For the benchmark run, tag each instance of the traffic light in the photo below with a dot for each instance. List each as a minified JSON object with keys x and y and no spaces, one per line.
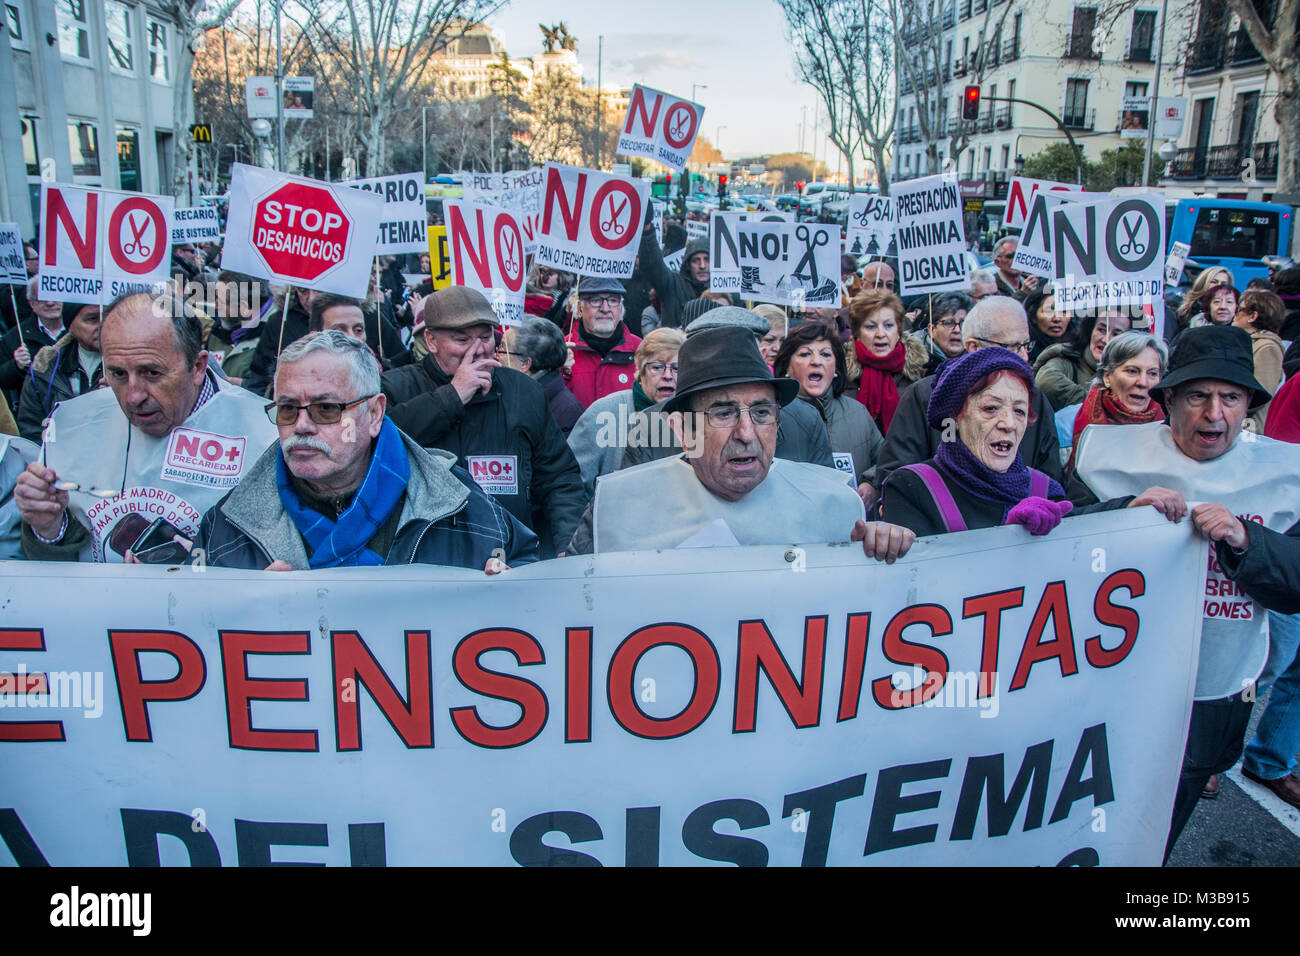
{"x":970,"y":103}
{"x":668,"y":179}
{"x":722,"y":188}
{"x":799,"y":186}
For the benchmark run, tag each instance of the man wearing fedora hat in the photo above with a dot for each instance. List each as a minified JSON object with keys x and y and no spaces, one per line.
{"x":1247,"y":481}
{"x":495,"y":420}
{"x":604,"y":351}
{"x":727,"y":488}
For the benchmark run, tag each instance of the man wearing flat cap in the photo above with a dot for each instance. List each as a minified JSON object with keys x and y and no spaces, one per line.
{"x":727,"y":489}
{"x":1248,"y":483}
{"x":604,"y":351}
{"x":495,"y":420}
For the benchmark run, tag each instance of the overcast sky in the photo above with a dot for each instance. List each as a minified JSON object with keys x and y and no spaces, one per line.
{"x":744,"y":66}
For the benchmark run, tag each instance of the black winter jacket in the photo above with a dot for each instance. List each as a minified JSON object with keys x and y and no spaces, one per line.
{"x":34,"y":334}
{"x":445,"y":520}
{"x":512,"y":419}
{"x":55,"y":376}
{"x":1269,"y":570}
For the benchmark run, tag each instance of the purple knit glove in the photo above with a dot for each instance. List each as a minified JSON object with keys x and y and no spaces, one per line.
{"x":1039,"y":515}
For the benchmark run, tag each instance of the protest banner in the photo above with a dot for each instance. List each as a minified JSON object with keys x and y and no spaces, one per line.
{"x":931,"y":236}
{"x":97,"y":244}
{"x":724,"y":254}
{"x":1020,"y":196}
{"x":13,"y":263}
{"x":788,"y":263}
{"x":1177,"y":260}
{"x":836,"y":710}
{"x":487,"y":253}
{"x":1034,"y":251}
{"x":591,"y":221}
{"x":1109,"y":252}
{"x":405,"y":221}
{"x":195,"y":224}
{"x":1135,"y":117}
{"x":660,"y":126}
{"x":673,"y":260}
{"x":657,"y":210}
{"x":519,"y":190}
{"x":439,"y":257}
{"x":871,"y":225}
{"x":697,"y":229}
{"x":311,"y":234}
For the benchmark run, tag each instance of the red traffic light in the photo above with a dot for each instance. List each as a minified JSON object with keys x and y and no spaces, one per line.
{"x":970,"y":103}
{"x":722,"y":180}
{"x":799,"y":185}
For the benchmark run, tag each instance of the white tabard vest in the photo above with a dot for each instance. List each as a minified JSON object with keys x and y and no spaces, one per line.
{"x":663,"y":505}
{"x":1257,"y":478}
{"x":177,"y":477}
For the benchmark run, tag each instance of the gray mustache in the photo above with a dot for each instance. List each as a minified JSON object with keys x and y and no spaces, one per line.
{"x":305,"y":441}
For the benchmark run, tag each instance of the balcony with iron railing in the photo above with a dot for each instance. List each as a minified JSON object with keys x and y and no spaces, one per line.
{"x":959,"y":67}
{"x":949,"y":18}
{"x":979,"y":6}
{"x":1078,"y":46}
{"x":1002,"y":119}
{"x":1205,"y":52}
{"x":1011,"y":49}
{"x":1241,"y":50}
{"x":908,"y":134}
{"x":986,"y":122}
{"x":1084,"y":119}
{"x":1141,"y":54}
{"x":1224,"y":162}
{"x":965,"y":9}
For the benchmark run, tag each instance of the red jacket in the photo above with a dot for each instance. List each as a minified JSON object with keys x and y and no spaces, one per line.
{"x":1283,"y":421}
{"x":594,"y":377}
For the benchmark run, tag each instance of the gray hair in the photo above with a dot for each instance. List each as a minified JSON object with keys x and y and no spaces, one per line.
{"x":363,"y":369}
{"x":984,"y":277}
{"x":982,"y":320}
{"x":1129,"y":345}
{"x":185,"y":321}
{"x":997,"y":246}
{"x":542,"y":341}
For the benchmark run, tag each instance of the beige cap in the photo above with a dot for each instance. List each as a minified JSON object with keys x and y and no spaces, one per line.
{"x":457,"y":307}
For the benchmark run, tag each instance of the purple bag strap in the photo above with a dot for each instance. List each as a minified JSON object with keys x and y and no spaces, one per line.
{"x":1038,"y":483}
{"x":943,"y":499}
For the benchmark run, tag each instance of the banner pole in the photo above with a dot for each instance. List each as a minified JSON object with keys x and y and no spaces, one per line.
{"x":18,"y":322}
{"x":379,"y":313}
{"x":284,"y":313}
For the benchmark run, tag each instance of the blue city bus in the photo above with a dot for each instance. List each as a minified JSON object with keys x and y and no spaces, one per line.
{"x":1231,"y":233}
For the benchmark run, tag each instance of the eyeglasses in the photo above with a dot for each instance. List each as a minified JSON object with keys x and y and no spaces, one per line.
{"x":658,"y":367}
{"x":599,"y":300}
{"x":322,"y":413}
{"x":505,"y":351}
{"x":949,"y":324}
{"x":96,"y":492}
{"x":727,"y":416}
{"x":1009,"y":346}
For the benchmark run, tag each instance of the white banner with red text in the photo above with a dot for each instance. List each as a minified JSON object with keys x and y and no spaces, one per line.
{"x":991,"y":699}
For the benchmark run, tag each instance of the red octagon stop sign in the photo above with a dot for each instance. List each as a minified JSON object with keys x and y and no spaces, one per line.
{"x":300,"y":231}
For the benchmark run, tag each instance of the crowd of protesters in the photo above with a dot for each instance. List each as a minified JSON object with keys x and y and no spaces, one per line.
{"x":409,"y":426}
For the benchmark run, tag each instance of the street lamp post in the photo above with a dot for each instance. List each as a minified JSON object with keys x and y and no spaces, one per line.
{"x":424,"y":143}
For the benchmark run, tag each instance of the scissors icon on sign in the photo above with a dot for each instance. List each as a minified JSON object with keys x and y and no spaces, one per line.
{"x":1131,"y":246}
{"x":136,"y":246}
{"x":807,"y":268}
{"x":612,"y":226}
{"x":813,"y":240}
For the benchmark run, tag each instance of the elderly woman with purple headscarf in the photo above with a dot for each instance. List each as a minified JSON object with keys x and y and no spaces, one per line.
{"x":982,"y":403}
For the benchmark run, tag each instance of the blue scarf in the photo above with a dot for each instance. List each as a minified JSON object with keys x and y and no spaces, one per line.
{"x":342,"y":543}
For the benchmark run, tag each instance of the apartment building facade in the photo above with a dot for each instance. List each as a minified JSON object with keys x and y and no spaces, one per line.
{"x":1060,"y":54}
{"x":1229,"y":142}
{"x":90,"y":95}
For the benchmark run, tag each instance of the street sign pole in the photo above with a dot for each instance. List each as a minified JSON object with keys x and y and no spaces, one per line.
{"x":1153,"y":111}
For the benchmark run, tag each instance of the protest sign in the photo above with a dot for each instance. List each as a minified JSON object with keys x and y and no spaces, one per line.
{"x":405,"y":219}
{"x":660,"y":126}
{"x":697,"y":229}
{"x":487,"y":253}
{"x":1034,"y":251}
{"x":789,"y":263}
{"x":13,"y":263}
{"x":657,"y":209}
{"x":311,"y":234}
{"x":673,"y":260}
{"x":591,"y":221}
{"x":1178,"y":253}
{"x":724,"y":254}
{"x":931,"y":236}
{"x":1020,"y":196}
{"x":871,"y":225}
{"x":1109,"y":252}
{"x":1135,"y":117}
{"x":439,"y":257}
{"x":97,"y":244}
{"x":519,"y":190}
{"x":847,"y":712}
{"x":195,"y":224}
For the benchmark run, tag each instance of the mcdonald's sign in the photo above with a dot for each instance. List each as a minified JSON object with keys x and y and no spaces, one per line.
{"x":201,"y":132}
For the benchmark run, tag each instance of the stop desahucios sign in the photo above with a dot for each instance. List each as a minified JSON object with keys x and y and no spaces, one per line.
{"x":300,"y":231}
